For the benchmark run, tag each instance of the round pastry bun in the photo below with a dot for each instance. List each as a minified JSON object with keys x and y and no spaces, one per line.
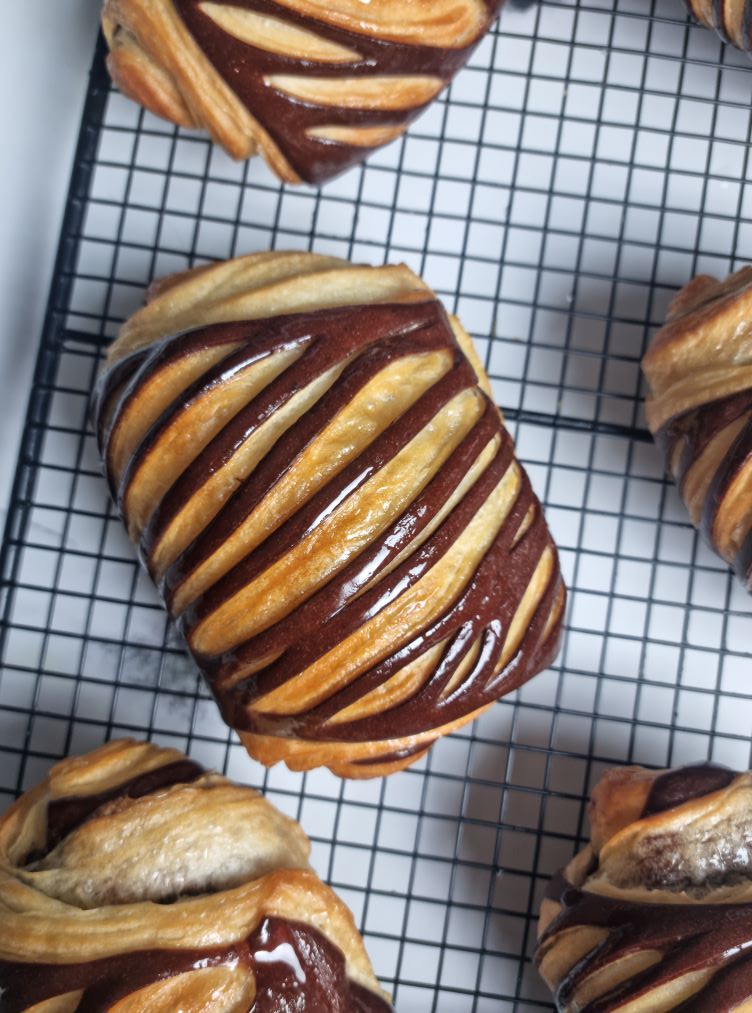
{"x":699,"y":408}
{"x":314,"y":86}
{"x":307,"y":455}
{"x":132,"y":879}
{"x":656,"y":913}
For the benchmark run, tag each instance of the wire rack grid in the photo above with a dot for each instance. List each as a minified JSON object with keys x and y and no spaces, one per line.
{"x":591,"y":158}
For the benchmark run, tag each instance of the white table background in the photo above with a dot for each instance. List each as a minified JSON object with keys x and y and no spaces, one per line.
{"x":45,"y":53}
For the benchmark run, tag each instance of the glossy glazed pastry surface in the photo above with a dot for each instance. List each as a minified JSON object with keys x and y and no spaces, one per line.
{"x":307,"y":455}
{"x":314,"y":85}
{"x":656,"y":914}
{"x":699,"y":408}
{"x":132,"y":880}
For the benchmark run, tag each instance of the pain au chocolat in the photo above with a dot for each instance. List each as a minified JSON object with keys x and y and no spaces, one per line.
{"x":656,"y":914}
{"x":699,"y":408}
{"x":732,"y":19}
{"x":314,"y":85}
{"x":133,"y":880}
{"x":307,"y":455}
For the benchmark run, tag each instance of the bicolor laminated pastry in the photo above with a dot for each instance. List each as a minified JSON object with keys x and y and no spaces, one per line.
{"x":307,"y":456}
{"x":656,"y":913}
{"x":732,"y":19}
{"x":313,"y":85}
{"x":699,"y":408}
{"x":133,"y":880}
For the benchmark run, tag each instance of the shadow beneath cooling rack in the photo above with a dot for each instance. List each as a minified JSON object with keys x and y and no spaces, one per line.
{"x":523,"y":817}
{"x":588,"y":336}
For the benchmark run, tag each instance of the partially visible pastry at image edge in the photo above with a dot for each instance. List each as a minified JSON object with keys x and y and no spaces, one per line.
{"x":131,"y":879}
{"x":307,"y":456}
{"x":699,"y":408}
{"x":656,"y":913}
{"x":730,"y":18}
{"x":313,"y":85}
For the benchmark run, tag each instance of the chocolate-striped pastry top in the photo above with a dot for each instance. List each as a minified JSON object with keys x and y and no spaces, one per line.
{"x":656,"y":914}
{"x":331,"y":507}
{"x":132,"y":880}
{"x":699,"y":408}
{"x":732,"y":19}
{"x":315,"y":85}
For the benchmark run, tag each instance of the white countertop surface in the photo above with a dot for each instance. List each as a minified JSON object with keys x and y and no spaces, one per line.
{"x":45,"y":54}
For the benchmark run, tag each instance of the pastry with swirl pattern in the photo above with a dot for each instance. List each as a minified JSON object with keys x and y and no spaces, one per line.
{"x":656,"y":914}
{"x":131,"y":880}
{"x":307,"y":456}
{"x":699,"y":409}
{"x":314,"y":85}
{"x":732,"y":19}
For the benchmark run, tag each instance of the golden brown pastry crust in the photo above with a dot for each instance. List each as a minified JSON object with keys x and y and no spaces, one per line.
{"x":307,"y":455}
{"x":656,"y":914}
{"x":730,"y":18}
{"x":312,"y":85}
{"x":699,"y":408}
{"x":132,"y":880}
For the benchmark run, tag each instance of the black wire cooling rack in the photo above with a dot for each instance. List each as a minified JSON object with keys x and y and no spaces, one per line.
{"x":590,"y":160}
